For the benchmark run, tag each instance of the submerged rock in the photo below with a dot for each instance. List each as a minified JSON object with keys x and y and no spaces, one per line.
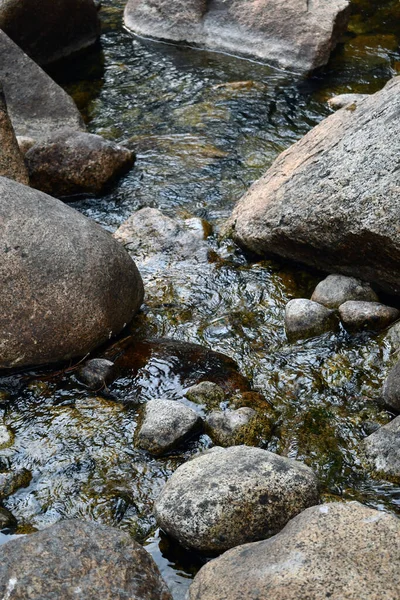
{"x":37,"y":106}
{"x":48,"y":30}
{"x":391,"y":388}
{"x":349,"y":160}
{"x":7,"y":520}
{"x":207,"y":393}
{"x":11,"y":161}
{"x":66,"y":285}
{"x":241,"y":426}
{"x":294,"y":36}
{"x":165,"y":424}
{"x":74,"y":162}
{"x":96,"y":373}
{"x":228,"y":497}
{"x":338,"y":551}
{"x":382,"y":451}
{"x":367,"y":315}
{"x":334,"y":290}
{"x":11,"y":481}
{"x":78,"y":560}
{"x":305,"y":318}
{"x":343,"y":100}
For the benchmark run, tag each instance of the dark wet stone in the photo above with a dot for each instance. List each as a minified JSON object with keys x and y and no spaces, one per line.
{"x":334,"y":290}
{"x":391,"y":388}
{"x":367,"y":315}
{"x":382,"y":451}
{"x":11,"y":481}
{"x":8,"y":523}
{"x":305,"y":318}
{"x":96,"y":373}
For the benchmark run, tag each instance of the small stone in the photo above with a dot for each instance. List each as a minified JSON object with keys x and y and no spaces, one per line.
{"x":337,"y":289}
{"x":96,"y":373}
{"x":342,"y":100}
{"x":305,"y":318}
{"x":10,"y":482}
{"x":382,"y":451}
{"x":166,"y":423}
{"x":206,"y":393}
{"x":7,"y":520}
{"x":367,"y":315}
{"x":235,"y":427}
{"x":391,"y":388}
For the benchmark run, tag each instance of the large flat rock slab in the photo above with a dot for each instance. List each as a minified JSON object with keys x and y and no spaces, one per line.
{"x":294,"y":35}
{"x":332,"y":199}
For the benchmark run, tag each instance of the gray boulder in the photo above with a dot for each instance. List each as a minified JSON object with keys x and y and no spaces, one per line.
{"x":12,"y":164}
{"x":391,"y":388}
{"x":74,"y":560}
{"x":66,"y":285}
{"x":343,"y":100}
{"x":382,"y":451}
{"x":367,"y":315}
{"x":305,"y":318}
{"x":291,"y":34}
{"x":75,"y":162}
{"x":331,"y":199}
{"x":337,"y":551}
{"x":48,"y":30}
{"x":231,"y":496}
{"x":334,"y":290}
{"x":37,"y":106}
{"x":165,"y":424}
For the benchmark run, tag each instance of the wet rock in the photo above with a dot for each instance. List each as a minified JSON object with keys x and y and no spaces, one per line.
{"x":11,"y":161}
{"x":338,"y":551}
{"x":207,"y":393}
{"x":393,"y":336}
{"x":66,"y":285}
{"x":11,"y":481}
{"x":7,"y":520}
{"x":37,"y":106}
{"x":343,"y":100}
{"x":291,"y":35}
{"x":48,"y":30}
{"x":350,"y":159}
{"x":391,"y":388}
{"x":96,"y":373}
{"x":337,"y":289}
{"x":166,"y":423}
{"x":77,"y":560}
{"x":231,"y":496}
{"x":367,"y":315}
{"x":305,"y":318}
{"x":235,"y":427}
{"x":74,"y":162}
{"x":382,"y":451}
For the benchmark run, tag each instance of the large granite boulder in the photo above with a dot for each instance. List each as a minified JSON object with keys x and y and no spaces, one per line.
{"x":331,"y":199}
{"x":37,"y":106}
{"x":226,"y":497}
{"x":66,"y":285}
{"x":49,"y":30}
{"x":12,"y":164}
{"x":337,"y":551}
{"x":295,"y":35}
{"x":74,"y":560}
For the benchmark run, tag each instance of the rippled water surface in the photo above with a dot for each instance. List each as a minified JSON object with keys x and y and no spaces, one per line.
{"x":204,"y":127}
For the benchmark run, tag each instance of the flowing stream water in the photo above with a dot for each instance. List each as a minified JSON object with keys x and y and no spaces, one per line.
{"x":204,"y":127}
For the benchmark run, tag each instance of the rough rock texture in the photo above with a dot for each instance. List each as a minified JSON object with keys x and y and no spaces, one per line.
{"x":334,"y":290}
{"x":336,"y":551}
{"x":11,"y":161}
{"x":37,"y":106}
{"x":228,"y":497}
{"x":74,"y":162}
{"x":391,"y":388}
{"x":206,"y":393}
{"x":11,"y":481}
{"x":49,"y":30}
{"x":96,"y":373}
{"x":331,"y":199}
{"x":74,"y":560}
{"x":166,"y":423}
{"x":294,"y":35}
{"x":382,"y":450}
{"x":305,"y":318}
{"x":232,"y":427}
{"x":343,"y":100}
{"x":367,"y":315}
{"x":66,"y":285}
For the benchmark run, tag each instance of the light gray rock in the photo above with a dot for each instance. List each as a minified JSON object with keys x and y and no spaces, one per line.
{"x":343,"y":100}
{"x":96,"y":373}
{"x":382,"y":451}
{"x":338,"y":551}
{"x":367,"y":315}
{"x":37,"y":106}
{"x":231,"y":496}
{"x":207,"y":393}
{"x":12,"y":164}
{"x":241,"y":426}
{"x":66,"y":285}
{"x":75,"y":560}
{"x":305,"y":318}
{"x":334,"y":290}
{"x":392,"y":336}
{"x":48,"y":30}
{"x":391,"y":388}
{"x":75,"y":162}
{"x":293,"y":35}
{"x":331,"y":199}
{"x":165,"y":424}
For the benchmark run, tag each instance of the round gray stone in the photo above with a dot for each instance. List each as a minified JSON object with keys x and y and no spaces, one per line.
{"x":366,"y":315}
{"x":337,"y":289}
{"x":305,"y":318}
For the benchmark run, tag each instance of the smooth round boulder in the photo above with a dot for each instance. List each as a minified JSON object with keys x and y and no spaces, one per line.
{"x":66,"y":285}
{"x":340,"y":551}
{"x":305,"y":318}
{"x":227,"y":497}
{"x":74,"y":560}
{"x":366,"y":315}
{"x":382,"y":451}
{"x":334,"y":290}
{"x":391,"y":388}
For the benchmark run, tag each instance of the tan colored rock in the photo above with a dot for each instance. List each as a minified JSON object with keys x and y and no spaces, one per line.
{"x":12,"y":164}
